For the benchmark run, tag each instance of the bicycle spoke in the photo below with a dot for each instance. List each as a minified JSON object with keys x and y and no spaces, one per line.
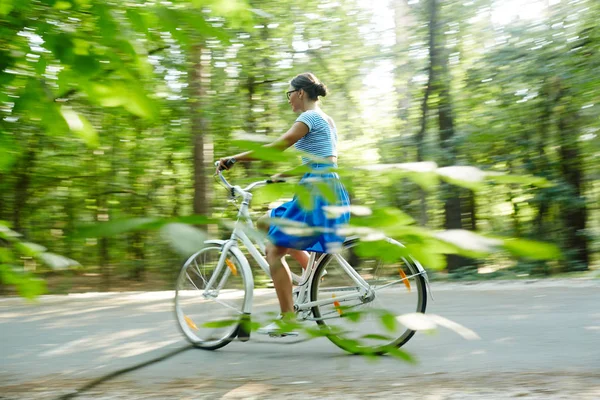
{"x":202,"y":310}
{"x":383,"y":297}
{"x":191,"y":281}
{"x":200,"y":275}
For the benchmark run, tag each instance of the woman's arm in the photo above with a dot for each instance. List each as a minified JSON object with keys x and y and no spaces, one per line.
{"x":295,"y":133}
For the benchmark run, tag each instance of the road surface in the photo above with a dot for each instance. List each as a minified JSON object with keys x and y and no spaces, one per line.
{"x":538,"y":340}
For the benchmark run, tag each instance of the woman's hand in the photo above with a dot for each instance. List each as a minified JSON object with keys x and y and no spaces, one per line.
{"x":225,"y":163}
{"x":277,"y":178}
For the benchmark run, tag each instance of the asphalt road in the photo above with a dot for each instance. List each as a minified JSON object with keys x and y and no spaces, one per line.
{"x":538,"y":340}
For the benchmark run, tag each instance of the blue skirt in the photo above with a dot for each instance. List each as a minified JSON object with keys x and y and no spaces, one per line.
{"x":313,"y":224}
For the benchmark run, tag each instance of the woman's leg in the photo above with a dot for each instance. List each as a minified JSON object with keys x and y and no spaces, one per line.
{"x":300,"y":256}
{"x":282,"y":279}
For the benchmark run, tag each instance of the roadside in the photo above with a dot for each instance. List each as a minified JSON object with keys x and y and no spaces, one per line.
{"x":531,"y":386}
{"x":67,"y":282}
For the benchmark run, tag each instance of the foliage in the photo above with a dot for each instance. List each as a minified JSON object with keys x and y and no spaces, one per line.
{"x":96,"y":101}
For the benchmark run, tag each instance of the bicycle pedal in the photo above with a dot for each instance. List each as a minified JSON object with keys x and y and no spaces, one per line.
{"x":243,"y":331}
{"x":283,"y":334}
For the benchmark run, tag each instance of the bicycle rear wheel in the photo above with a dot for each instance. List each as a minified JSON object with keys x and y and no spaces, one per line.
{"x":367,"y":325}
{"x":209,"y":300}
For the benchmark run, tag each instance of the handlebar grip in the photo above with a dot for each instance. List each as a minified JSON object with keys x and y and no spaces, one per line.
{"x":228,"y":164}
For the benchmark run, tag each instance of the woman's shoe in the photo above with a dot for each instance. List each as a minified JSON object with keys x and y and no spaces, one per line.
{"x":274,"y":330}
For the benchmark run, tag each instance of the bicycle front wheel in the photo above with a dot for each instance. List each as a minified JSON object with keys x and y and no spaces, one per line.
{"x":209,"y":300}
{"x":366,"y":324}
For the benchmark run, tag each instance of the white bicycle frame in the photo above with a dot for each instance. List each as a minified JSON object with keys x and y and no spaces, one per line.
{"x":303,"y":282}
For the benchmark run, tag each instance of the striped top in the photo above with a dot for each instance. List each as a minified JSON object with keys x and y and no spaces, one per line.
{"x":321,"y":139}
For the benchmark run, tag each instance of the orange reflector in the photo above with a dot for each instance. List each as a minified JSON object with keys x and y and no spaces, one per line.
{"x":190,"y":323}
{"x":231,"y":266}
{"x":337,"y":306}
{"x":406,"y":281}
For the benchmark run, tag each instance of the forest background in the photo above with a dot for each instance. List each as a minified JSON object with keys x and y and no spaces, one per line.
{"x":469,"y":128}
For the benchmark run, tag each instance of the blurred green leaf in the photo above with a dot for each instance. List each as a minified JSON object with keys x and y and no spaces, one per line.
{"x":305,"y":197}
{"x":260,"y":152}
{"x":220,"y":324}
{"x":81,"y":126}
{"x":465,"y":176}
{"x":8,"y":149}
{"x":62,"y":5}
{"x":520,"y":179}
{"x":532,"y":249}
{"x":388,"y":321}
{"x":402,"y":355}
{"x":27,"y":286}
{"x":470,"y":241}
{"x":56,"y":261}
{"x":327,"y":192}
{"x":373,"y":336}
{"x":183,"y":238}
{"x":6,"y":6}
{"x":29,"y":249}
{"x":129,"y":96}
{"x":270,"y":193}
{"x":113,"y":228}
{"x":382,"y":218}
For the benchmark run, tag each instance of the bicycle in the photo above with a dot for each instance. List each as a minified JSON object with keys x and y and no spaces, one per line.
{"x":330,"y":291}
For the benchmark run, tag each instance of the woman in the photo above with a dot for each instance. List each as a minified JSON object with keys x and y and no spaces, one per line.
{"x":315,"y":134}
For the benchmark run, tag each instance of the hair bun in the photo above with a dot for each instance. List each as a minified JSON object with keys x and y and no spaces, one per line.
{"x":321,"y":89}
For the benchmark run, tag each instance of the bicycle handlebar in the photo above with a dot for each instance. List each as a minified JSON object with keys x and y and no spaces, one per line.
{"x":238,"y":189}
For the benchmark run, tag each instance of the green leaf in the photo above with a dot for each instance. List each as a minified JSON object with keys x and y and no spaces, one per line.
{"x":206,"y":30}
{"x":81,"y":126}
{"x":171,"y":19}
{"x":8,"y":148}
{"x":382,"y":218}
{"x":402,"y":355}
{"x":220,"y":324}
{"x":520,"y":179}
{"x":56,"y":261}
{"x":327,"y":192}
{"x":113,"y":228}
{"x":8,"y":234}
{"x":305,"y":197}
{"x":29,"y":249}
{"x":62,"y":5}
{"x":382,"y":249}
{"x":137,"y":19}
{"x":428,"y":259}
{"x":354,"y":316}
{"x":6,"y":6}
{"x":532,"y":249}
{"x":260,"y":152}
{"x":126,"y":95}
{"x":27,"y":286}
{"x":388,"y":321}
{"x":184,"y":239}
{"x":465,"y":176}
{"x":120,"y":226}
{"x":373,"y":336}
{"x":270,"y":193}
{"x":469,"y":241}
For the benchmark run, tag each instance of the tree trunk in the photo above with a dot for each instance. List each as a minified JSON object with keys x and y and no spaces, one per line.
{"x":203,"y":147}
{"x":541,"y":166}
{"x":420,"y":137}
{"x":22,"y":188}
{"x":136,"y":239}
{"x":574,"y":211}
{"x":441,"y":86}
